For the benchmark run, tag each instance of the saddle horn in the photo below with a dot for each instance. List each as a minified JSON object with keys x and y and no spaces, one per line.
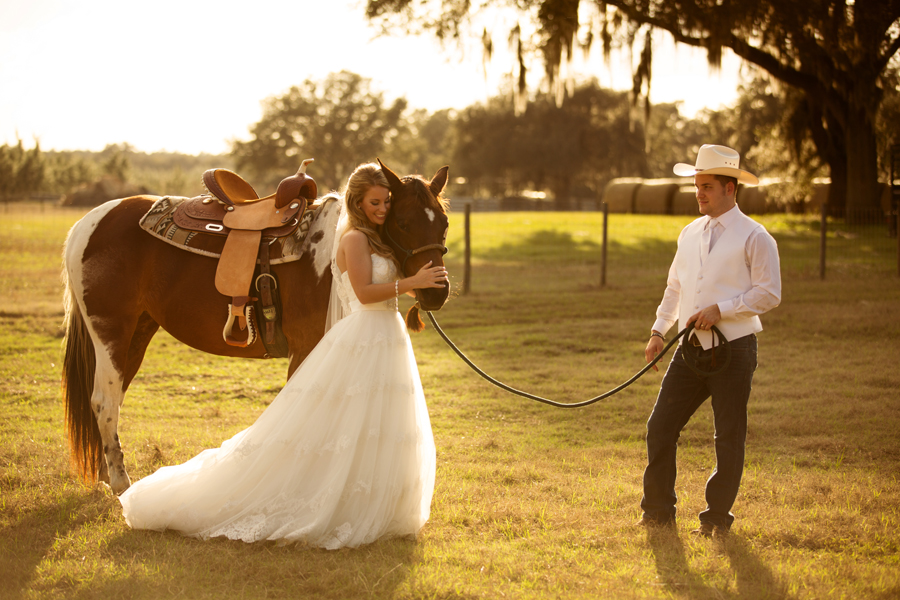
{"x":296,"y":186}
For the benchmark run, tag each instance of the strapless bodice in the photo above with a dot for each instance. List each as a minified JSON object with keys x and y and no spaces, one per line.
{"x":383,"y":271}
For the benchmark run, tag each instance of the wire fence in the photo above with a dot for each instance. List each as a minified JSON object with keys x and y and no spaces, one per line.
{"x":629,"y":249}
{"x":618,"y":250}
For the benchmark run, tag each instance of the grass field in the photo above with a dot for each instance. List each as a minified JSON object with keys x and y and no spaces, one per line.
{"x":531,"y":501}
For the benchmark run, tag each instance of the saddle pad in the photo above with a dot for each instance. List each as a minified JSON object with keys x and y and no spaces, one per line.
{"x":159,"y":223}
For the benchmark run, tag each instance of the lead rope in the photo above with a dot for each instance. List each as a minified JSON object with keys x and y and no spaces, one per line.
{"x":689,"y":352}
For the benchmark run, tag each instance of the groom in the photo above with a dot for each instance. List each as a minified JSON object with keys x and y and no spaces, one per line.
{"x":725,"y":273}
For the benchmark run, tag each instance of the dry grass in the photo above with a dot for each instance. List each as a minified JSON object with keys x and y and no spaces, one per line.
{"x":531,"y":501}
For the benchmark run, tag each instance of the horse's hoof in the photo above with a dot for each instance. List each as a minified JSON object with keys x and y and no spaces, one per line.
{"x":118,"y":490}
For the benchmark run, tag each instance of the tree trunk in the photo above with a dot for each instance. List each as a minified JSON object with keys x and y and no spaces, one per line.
{"x":828,"y":137}
{"x":837,"y":191}
{"x":844,"y":136}
{"x":863,"y":203}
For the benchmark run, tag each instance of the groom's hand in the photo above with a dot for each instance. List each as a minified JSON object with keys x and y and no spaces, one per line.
{"x":654,"y":347}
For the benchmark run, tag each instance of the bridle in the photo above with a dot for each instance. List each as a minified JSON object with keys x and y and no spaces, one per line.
{"x":410,"y":253}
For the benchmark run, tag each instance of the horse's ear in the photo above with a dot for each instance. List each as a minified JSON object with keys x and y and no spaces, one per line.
{"x":439,"y":181}
{"x":392,"y":178}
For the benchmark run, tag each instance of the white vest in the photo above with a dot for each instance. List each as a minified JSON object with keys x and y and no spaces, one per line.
{"x":723,"y":276}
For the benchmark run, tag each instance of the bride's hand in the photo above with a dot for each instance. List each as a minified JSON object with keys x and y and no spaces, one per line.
{"x":430,"y":277}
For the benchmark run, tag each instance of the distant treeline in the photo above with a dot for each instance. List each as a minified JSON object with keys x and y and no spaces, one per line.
{"x":31,"y":172}
{"x":566,"y":152}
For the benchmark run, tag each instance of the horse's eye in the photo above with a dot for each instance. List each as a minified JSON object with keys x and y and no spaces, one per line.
{"x":402,"y":225}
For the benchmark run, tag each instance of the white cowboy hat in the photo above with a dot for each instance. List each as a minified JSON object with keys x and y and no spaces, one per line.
{"x":717,"y":160}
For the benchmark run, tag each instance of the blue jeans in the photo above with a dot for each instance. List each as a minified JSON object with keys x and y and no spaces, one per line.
{"x":680,"y":395}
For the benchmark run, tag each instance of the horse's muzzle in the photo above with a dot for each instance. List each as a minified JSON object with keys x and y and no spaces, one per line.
{"x":432,"y":298}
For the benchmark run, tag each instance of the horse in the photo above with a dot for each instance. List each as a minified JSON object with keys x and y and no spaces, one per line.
{"x":122,"y":284}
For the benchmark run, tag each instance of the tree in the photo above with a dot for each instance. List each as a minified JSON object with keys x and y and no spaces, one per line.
{"x":9,"y":166}
{"x":66,"y":171}
{"x":571,"y":150}
{"x":888,"y":128}
{"x":340,"y":122}
{"x":32,"y":171}
{"x":424,"y":144}
{"x":22,"y":172}
{"x":116,"y":161}
{"x":835,"y":52}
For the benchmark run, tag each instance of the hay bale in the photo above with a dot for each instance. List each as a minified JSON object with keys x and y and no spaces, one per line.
{"x":655,"y":197}
{"x":619,"y":194}
{"x":684,"y":201}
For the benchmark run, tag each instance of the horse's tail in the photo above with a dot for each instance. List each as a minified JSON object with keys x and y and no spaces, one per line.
{"x":79,"y":365}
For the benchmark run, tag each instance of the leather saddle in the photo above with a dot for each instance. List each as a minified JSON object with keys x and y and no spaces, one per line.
{"x":233,"y":209}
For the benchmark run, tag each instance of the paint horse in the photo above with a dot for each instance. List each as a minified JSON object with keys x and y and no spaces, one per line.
{"x":123,"y":284}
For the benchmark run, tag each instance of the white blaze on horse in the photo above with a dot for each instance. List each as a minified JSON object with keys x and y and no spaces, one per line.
{"x":194,"y":267}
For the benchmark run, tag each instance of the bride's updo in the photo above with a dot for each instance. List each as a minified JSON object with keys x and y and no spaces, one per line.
{"x":364,"y":178}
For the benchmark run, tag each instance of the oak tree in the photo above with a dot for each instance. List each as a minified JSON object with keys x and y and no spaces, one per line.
{"x":837,"y":53}
{"x":339,"y":121}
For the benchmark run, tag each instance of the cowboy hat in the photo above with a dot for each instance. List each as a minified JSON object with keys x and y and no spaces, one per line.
{"x":717,"y":160}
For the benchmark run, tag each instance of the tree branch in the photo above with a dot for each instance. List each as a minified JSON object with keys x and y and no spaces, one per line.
{"x":740,"y":47}
{"x":771,"y":64}
{"x":882,"y":62}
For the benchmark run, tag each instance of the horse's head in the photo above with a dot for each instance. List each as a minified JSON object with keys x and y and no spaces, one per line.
{"x":416,"y":228}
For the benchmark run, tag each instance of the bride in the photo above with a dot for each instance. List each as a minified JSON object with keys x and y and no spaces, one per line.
{"x":344,"y":455}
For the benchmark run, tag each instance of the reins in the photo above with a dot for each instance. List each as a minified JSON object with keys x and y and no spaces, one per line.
{"x":689,"y":351}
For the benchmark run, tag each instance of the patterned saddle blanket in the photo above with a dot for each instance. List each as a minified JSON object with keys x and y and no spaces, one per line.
{"x":160,"y":223}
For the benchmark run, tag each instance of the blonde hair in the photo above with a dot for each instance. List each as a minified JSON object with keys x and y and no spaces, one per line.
{"x":364,"y":178}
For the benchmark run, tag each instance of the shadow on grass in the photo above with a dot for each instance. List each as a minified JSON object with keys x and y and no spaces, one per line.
{"x":30,"y":539}
{"x":672,"y":568}
{"x":754,"y":580}
{"x":548,"y":244}
{"x":172,"y":565}
{"x":36,"y":559}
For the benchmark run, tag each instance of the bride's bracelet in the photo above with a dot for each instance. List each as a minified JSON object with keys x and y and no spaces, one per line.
{"x":397,"y":288}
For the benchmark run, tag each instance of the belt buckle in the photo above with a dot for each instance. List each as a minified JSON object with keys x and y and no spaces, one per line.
{"x":695,"y":342}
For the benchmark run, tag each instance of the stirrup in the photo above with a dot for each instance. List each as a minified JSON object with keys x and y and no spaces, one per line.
{"x":245,"y":321}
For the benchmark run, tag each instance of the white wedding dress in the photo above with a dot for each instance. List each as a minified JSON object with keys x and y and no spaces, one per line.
{"x":343,"y":456}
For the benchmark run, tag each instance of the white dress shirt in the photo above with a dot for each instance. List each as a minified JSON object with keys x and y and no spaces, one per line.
{"x":760,"y":257}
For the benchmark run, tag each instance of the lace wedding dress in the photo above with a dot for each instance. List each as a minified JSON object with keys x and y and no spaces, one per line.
{"x":343,"y":456}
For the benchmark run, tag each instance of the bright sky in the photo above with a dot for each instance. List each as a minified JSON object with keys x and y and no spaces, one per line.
{"x":190,"y":75}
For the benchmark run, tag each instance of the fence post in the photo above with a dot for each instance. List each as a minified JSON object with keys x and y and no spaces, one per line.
{"x":603,"y":252}
{"x":822,"y":240}
{"x":467,"y":252}
{"x":897,"y":217}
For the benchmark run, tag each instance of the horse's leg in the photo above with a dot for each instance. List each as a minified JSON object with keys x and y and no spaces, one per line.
{"x":294,"y":362}
{"x":304,"y":307}
{"x":110,"y":399}
{"x":144,"y":331}
{"x":105,"y":401}
{"x":120,"y":341}
{"x":104,"y":281}
{"x":306,"y":288}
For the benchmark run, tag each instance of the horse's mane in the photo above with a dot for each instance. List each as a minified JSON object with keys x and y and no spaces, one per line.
{"x":424,"y":193}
